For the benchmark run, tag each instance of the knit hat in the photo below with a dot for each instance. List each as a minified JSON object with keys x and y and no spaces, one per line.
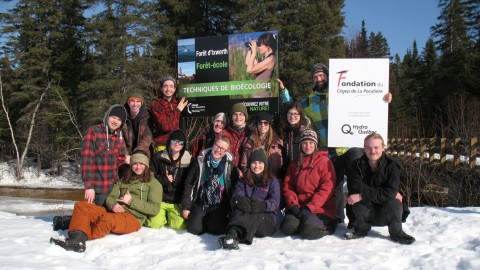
{"x":239,"y":107}
{"x":319,"y":67}
{"x":263,"y":116}
{"x":168,"y":78}
{"x":139,"y":158}
{"x":118,"y":111}
{"x":309,"y":134}
{"x":258,"y":154}
{"x":221,"y":116}
{"x":134,"y":96}
{"x":177,"y":135}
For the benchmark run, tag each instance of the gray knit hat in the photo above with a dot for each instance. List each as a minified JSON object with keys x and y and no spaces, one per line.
{"x":319,"y":67}
{"x":221,"y":116}
{"x":258,"y":154}
{"x":139,"y":158}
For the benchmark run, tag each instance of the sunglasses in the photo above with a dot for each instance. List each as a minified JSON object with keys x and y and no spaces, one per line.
{"x":172,"y":142}
{"x":264,"y":123}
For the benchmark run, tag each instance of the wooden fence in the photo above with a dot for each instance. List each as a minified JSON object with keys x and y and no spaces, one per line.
{"x":436,"y":150}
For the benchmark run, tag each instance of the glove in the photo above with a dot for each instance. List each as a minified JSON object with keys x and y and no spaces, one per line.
{"x":243,"y":203}
{"x":294,"y":210}
{"x":258,"y":207}
{"x":304,"y":214}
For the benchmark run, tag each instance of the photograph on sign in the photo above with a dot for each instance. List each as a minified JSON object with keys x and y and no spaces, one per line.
{"x":216,"y":72}
{"x":356,"y":100}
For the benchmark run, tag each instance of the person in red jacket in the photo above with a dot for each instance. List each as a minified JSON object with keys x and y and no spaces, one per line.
{"x":309,"y":192}
{"x":238,"y":131}
{"x":166,"y":112}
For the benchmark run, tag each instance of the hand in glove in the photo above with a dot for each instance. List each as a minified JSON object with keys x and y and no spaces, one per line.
{"x":305,"y":214}
{"x":243,"y":203}
{"x":258,"y":207}
{"x":294,"y":210}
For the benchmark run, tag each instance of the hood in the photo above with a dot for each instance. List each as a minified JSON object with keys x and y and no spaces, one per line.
{"x":107,"y":114}
{"x":105,"y":123}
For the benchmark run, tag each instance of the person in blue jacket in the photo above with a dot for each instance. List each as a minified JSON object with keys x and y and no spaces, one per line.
{"x":255,"y":201}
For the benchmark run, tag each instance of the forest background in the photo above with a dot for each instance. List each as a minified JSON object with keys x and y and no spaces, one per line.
{"x":60,"y":70}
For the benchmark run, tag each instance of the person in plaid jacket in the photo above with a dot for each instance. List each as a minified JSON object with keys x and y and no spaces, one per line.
{"x":103,"y":153}
{"x":166,"y":113}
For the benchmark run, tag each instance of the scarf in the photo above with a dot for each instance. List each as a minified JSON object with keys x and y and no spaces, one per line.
{"x":213,"y":183}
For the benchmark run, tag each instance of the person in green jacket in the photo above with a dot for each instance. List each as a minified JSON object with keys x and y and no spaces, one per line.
{"x":132,"y":200}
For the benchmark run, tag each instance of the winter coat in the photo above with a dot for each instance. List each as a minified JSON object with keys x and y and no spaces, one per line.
{"x":274,"y":155}
{"x":193,"y":180}
{"x":291,"y":146}
{"x":146,"y":198}
{"x":203,"y":142}
{"x":311,"y":184}
{"x":270,"y":194}
{"x":161,"y":163}
{"x":103,"y":153}
{"x":237,"y":139}
{"x":166,"y":118}
{"x":377,"y":187}
{"x":143,"y":138}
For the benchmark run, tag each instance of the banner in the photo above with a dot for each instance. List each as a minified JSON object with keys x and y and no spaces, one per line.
{"x":356,"y":105}
{"x":216,"y":72}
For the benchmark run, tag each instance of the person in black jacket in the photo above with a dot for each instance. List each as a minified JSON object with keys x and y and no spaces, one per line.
{"x":208,"y":189}
{"x":170,"y":167}
{"x":373,"y":185}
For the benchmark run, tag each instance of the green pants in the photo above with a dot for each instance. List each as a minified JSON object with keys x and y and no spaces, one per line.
{"x":170,"y":214}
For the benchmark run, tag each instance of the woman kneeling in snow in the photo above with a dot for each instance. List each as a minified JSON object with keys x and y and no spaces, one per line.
{"x":255,"y":200}
{"x":133,"y":198}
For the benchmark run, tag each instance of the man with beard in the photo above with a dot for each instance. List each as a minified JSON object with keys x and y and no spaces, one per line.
{"x":315,"y":107}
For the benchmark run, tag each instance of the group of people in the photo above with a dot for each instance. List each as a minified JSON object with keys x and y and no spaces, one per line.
{"x":239,"y":181}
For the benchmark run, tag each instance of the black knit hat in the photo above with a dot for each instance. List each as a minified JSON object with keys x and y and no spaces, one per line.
{"x":177,"y":135}
{"x":319,"y":67}
{"x":258,"y":154}
{"x":263,"y":116}
{"x":119,"y":111}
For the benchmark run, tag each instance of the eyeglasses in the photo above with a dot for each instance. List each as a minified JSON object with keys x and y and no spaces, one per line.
{"x":263,"y":123}
{"x":222,"y":150}
{"x":293,"y":114}
{"x":173,"y":142}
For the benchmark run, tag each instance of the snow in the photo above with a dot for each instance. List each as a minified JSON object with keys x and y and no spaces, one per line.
{"x":447,"y":238}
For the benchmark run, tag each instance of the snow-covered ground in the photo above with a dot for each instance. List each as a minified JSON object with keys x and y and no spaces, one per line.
{"x":447,"y":238}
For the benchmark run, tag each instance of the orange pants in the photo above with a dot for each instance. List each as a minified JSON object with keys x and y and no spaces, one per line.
{"x":96,"y":222}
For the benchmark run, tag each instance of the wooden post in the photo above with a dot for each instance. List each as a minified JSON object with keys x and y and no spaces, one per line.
{"x":423,"y":148}
{"x":456,"y":154}
{"x":443,"y":154}
{"x":431,"y":151}
{"x":414,"y":148}
{"x":473,"y":153}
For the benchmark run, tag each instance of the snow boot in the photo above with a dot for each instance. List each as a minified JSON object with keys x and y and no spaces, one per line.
{"x":402,"y":238}
{"x":75,"y":241}
{"x":61,"y":222}
{"x":354,"y":235}
{"x":230,"y":241}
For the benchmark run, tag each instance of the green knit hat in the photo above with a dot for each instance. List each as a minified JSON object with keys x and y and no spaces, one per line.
{"x":239,"y":107}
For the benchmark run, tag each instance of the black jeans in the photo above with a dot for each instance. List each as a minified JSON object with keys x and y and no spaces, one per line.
{"x":386,"y":214}
{"x":215,"y":222}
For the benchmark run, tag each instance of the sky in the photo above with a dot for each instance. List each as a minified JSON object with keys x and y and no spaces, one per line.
{"x":400,"y":21}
